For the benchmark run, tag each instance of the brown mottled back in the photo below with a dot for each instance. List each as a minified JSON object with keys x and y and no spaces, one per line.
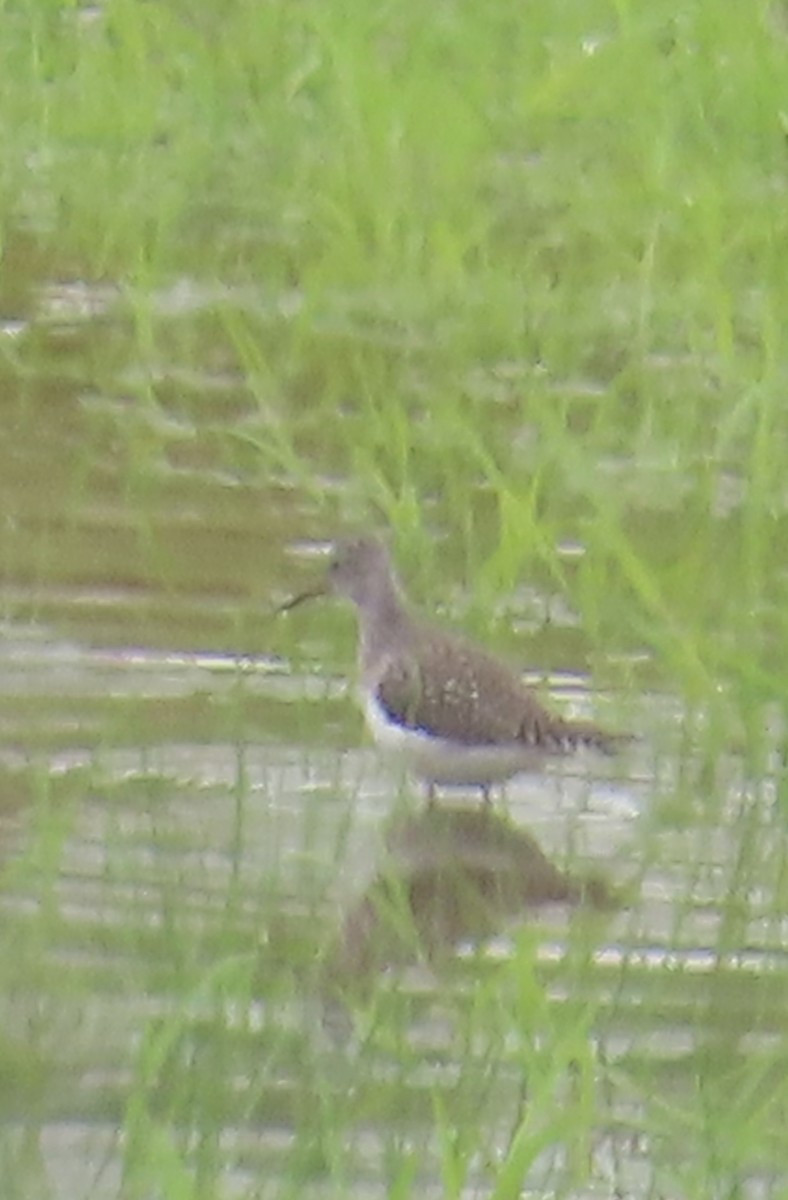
{"x":453,"y":689}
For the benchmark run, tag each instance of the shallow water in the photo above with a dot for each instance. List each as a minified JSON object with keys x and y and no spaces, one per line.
{"x":188,"y":803}
{"x":148,"y":864}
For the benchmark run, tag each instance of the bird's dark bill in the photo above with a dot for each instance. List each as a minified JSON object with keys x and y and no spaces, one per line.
{"x":300,"y":599}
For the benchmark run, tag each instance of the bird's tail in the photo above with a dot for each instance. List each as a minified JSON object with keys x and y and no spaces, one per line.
{"x":586,"y":733}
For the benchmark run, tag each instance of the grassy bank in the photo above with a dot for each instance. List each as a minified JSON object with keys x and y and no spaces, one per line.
{"x":518,"y":277}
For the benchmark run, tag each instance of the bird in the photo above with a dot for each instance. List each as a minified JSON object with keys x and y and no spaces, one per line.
{"x":453,"y":713}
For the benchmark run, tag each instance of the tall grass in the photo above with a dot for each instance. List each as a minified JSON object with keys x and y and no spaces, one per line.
{"x":511,"y":280}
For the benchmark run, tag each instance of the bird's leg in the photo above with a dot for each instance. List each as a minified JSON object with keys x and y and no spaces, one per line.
{"x":432,"y":795}
{"x":486,"y":797}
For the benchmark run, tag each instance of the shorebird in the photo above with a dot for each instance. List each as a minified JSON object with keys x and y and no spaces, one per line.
{"x":453,"y":713}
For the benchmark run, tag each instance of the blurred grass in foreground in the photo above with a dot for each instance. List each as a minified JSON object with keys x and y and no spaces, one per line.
{"x":512,"y":280}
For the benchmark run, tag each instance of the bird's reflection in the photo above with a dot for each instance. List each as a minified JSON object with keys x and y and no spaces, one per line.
{"x":449,"y":874}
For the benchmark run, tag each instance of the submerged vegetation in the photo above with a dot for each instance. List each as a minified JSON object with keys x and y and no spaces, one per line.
{"x":509,"y":280}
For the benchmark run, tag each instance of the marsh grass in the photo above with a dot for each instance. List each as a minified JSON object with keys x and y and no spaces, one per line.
{"x":511,"y":282}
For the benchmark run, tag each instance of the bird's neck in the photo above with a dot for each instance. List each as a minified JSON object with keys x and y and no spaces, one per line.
{"x":382,"y":624}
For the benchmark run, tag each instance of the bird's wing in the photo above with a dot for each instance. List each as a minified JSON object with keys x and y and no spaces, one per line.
{"x":451,"y":688}
{"x":454,"y":690}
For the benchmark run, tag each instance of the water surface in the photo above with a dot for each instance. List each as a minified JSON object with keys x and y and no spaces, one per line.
{"x":189,"y":806}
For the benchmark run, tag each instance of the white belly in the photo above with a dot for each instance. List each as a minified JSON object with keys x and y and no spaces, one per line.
{"x":439,"y":761}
